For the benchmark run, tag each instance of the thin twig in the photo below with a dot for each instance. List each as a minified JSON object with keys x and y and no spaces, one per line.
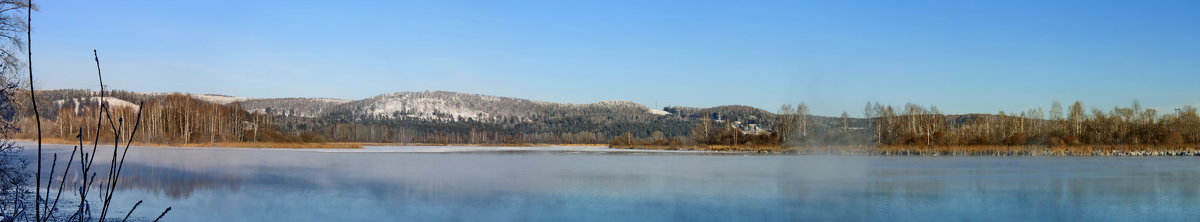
{"x":62,"y":184}
{"x":106,"y":194}
{"x":164,"y":213}
{"x":112,"y":169}
{"x":99,"y":122}
{"x":132,"y":134}
{"x":36,"y":116}
{"x":131,"y":211}
{"x":88,"y":207}
{"x":96,"y":139}
{"x":50,"y":183}
{"x":83,"y":173}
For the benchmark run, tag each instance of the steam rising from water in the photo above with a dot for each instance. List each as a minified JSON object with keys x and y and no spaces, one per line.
{"x":297,"y":185}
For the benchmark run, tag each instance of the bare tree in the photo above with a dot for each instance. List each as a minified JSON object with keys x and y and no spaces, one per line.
{"x":802,"y":120}
{"x":13,"y":175}
{"x":1076,"y":118}
{"x":845,"y":122}
{"x":785,"y":124}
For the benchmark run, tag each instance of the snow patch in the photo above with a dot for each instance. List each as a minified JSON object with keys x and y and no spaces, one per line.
{"x":78,"y":103}
{"x":331,"y":100}
{"x":444,"y":106}
{"x":298,"y":107}
{"x":218,"y":99}
{"x":423,"y":108}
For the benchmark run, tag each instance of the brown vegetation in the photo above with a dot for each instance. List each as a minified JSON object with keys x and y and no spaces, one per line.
{"x":1006,"y":150}
{"x":919,"y":130}
{"x":311,"y":145}
{"x":1135,"y":126}
{"x":698,"y":147}
{"x":281,"y":145}
{"x":175,"y":120}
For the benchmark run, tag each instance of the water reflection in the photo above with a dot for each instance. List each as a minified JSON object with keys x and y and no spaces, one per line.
{"x":274,"y":185}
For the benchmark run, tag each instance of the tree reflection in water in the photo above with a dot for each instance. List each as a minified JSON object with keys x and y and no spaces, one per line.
{"x":290,"y":185}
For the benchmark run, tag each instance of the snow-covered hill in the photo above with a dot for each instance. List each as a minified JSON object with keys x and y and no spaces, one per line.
{"x":77,"y":103}
{"x":428,"y":105}
{"x":218,"y":99}
{"x":440,"y":105}
{"x":452,"y":106}
{"x":298,"y":107}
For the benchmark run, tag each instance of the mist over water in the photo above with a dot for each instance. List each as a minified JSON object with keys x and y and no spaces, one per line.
{"x":300,"y":185}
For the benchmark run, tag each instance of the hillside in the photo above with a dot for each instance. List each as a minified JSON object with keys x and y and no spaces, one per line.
{"x":297,"y":107}
{"x":450,"y":116}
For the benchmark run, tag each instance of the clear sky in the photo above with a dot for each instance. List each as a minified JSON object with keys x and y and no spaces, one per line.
{"x":964,"y":56}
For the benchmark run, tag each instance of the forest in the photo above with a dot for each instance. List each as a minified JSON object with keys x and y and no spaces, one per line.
{"x":925,"y":126}
{"x":166,"y":119}
{"x":172,"y":118}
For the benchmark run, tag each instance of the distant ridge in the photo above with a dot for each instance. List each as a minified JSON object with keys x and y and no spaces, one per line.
{"x":423,"y":105}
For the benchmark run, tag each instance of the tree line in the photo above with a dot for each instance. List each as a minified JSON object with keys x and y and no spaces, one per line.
{"x":168,"y":119}
{"x":179,"y":118}
{"x":917,"y":125}
{"x":920,"y":125}
{"x":1077,"y":125}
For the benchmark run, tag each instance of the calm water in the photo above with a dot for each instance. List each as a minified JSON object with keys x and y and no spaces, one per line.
{"x":589,"y":185}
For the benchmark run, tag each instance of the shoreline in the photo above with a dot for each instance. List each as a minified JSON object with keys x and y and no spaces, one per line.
{"x":279,"y":145}
{"x":1037,"y":150}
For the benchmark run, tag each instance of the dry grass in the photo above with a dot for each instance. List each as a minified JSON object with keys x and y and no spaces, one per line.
{"x":580,"y":144}
{"x":272,"y":145}
{"x":1000,"y":150}
{"x":725,"y":148}
{"x":990,"y":150}
{"x":328,"y":145}
{"x":471,"y":144}
{"x":448,"y":144}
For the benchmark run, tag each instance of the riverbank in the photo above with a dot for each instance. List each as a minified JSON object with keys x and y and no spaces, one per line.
{"x":1078,"y":150}
{"x":272,"y":145}
{"x":721,"y":148}
{"x":280,"y":145}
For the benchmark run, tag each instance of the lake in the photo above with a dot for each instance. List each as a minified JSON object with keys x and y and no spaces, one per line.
{"x":599,"y":184}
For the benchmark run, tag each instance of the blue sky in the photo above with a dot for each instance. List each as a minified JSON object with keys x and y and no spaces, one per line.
{"x":964,"y":56}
